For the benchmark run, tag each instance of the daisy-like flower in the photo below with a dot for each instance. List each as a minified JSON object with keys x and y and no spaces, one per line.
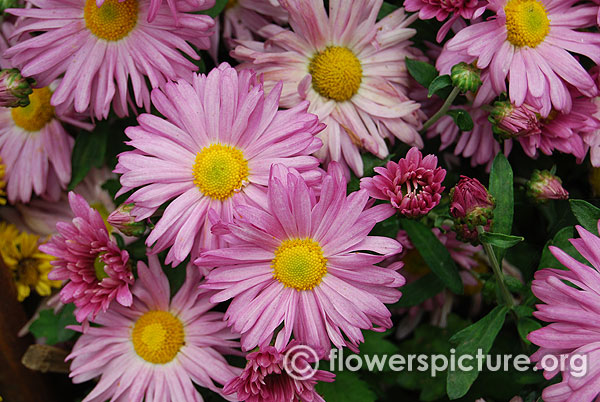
{"x":413,"y":185}
{"x":213,"y":153}
{"x":29,"y":266}
{"x":301,"y":263}
{"x":36,"y":148}
{"x":529,"y":42}
{"x":442,"y":9}
{"x":570,"y":301}
{"x":102,"y":50}
{"x":351,"y":69}
{"x":265,"y":377}
{"x":176,"y":6}
{"x":157,"y":349}
{"x":97,"y":271}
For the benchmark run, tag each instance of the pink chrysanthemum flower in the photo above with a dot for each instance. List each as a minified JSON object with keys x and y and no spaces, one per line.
{"x":265,"y":377}
{"x":442,"y":9}
{"x":159,"y":348}
{"x":301,"y":262}
{"x":176,"y":6}
{"x":413,"y":185}
{"x":102,"y":50}
{"x":243,"y":19}
{"x":351,"y":69}
{"x":529,"y":42}
{"x":570,"y":304}
{"x":36,"y":148}
{"x":213,"y":152}
{"x":97,"y":271}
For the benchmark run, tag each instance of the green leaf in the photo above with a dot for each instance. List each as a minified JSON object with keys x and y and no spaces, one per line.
{"x":376,"y":344}
{"x":386,"y":9}
{"x":216,"y":9}
{"x":501,"y":188}
{"x":560,"y":240}
{"x":347,"y":387}
{"x":461,"y":118}
{"x":479,"y":336}
{"x":420,"y":290}
{"x":500,"y":240}
{"x":52,"y":327}
{"x":88,"y":152}
{"x":525,"y":325}
{"x":434,"y":253}
{"x":587,"y":215}
{"x":439,"y":83}
{"x":423,"y":72}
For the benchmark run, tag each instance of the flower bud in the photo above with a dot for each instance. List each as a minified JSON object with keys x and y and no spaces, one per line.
{"x":14,"y":88}
{"x":544,"y":186}
{"x":471,"y":206}
{"x":510,"y":121}
{"x":466,"y":77}
{"x":122,"y":220}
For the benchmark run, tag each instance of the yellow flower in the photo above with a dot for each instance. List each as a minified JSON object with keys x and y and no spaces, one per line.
{"x":30,"y":267}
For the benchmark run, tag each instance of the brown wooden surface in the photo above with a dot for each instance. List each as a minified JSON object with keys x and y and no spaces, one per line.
{"x":17,"y":383}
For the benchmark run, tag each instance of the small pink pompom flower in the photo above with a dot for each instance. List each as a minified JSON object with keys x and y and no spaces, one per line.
{"x":413,"y":185}
{"x":441,"y":9}
{"x":97,"y":271}
{"x":265,"y":378}
{"x":570,"y":300}
{"x":305,"y":264}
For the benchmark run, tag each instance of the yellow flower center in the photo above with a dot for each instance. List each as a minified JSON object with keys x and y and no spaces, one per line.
{"x":336,"y":73}
{"x":527,"y":22}
{"x":220,"y":170}
{"x":299,"y":264}
{"x":37,"y":114}
{"x":113,"y":20}
{"x":157,"y":336}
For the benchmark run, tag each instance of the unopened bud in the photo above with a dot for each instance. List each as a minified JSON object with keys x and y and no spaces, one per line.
{"x":14,"y":88}
{"x":124,"y":221}
{"x":471,"y":206}
{"x":510,"y":121}
{"x":544,"y":186}
{"x":466,"y":77}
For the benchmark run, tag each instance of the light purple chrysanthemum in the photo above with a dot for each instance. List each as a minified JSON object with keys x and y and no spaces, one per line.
{"x":158,"y":349}
{"x":101,"y":51}
{"x":350,"y":67}
{"x":211,"y":154}
{"x":301,"y":263}
{"x":96,"y":270}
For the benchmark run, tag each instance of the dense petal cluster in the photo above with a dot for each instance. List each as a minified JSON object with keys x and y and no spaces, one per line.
{"x":413,"y":185}
{"x":96,"y":270}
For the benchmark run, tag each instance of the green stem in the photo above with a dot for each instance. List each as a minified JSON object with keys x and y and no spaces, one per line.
{"x":443,"y":109}
{"x":497,"y":270}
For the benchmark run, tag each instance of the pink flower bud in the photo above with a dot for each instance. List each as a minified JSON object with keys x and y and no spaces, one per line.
{"x":122,"y":220}
{"x":471,"y":206}
{"x":544,"y":186}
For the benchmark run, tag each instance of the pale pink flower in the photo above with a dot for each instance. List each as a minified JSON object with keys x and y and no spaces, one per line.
{"x":159,"y":348}
{"x":413,"y":185}
{"x":211,"y":153}
{"x":350,"y":67}
{"x":97,"y":271}
{"x":102,"y":53}
{"x":302,"y":264}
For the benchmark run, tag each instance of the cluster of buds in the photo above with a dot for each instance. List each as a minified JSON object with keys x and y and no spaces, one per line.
{"x":14,"y":88}
{"x":122,"y":220}
{"x":510,"y":121}
{"x":471,"y":206}
{"x":544,"y":186}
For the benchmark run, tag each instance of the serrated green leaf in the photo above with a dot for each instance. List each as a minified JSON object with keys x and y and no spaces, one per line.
{"x":89,"y":151}
{"x":500,"y":240}
{"x":439,"y":83}
{"x":587,"y":214}
{"x":461,"y":118}
{"x":386,"y":9}
{"x":478,"y":336}
{"x":420,"y":290}
{"x":347,"y":387}
{"x":52,"y":327}
{"x":501,"y":188}
{"x":434,"y":253}
{"x":423,"y":73}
